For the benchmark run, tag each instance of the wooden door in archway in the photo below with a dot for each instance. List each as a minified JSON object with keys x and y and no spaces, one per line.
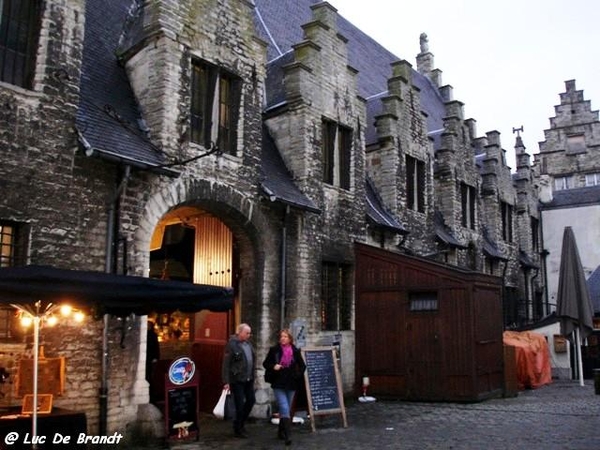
{"x":213,"y":265}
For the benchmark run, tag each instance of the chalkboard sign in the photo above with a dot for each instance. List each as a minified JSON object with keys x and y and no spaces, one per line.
{"x":183,"y":412}
{"x":323,"y":383}
{"x":181,"y":400}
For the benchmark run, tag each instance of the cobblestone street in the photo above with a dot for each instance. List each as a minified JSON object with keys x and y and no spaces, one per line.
{"x":562,"y":415}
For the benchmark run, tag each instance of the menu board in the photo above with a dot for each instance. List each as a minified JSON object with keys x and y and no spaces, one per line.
{"x":181,"y":399}
{"x":323,"y":383}
{"x":182,"y":404}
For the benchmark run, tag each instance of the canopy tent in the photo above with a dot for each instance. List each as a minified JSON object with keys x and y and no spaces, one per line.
{"x":106,"y":293}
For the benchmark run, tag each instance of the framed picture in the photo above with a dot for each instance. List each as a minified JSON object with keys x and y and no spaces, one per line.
{"x":44,"y":404}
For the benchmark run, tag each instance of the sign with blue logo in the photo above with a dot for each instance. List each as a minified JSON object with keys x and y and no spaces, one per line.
{"x":181,"y":370}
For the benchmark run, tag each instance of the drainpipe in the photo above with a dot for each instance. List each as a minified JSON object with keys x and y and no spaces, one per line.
{"x":503,"y":291}
{"x":533,"y":290}
{"x":283,"y":267}
{"x":108,"y":268}
{"x":544,"y":255}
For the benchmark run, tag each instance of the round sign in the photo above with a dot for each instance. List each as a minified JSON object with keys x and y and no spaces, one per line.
{"x":181,"y":370}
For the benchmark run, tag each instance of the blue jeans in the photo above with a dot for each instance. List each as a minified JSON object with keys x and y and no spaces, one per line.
{"x":284,"y":399}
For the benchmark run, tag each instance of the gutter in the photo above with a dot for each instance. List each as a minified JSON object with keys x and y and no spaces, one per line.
{"x":283,"y":268}
{"x":123,"y":160}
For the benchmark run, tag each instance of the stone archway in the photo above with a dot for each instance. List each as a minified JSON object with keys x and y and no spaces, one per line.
{"x":229,"y":227}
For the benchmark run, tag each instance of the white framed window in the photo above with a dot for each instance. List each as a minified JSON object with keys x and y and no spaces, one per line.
{"x":562,"y":183}
{"x":592,"y":179}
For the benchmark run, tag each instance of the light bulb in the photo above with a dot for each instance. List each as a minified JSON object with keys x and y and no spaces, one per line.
{"x":51,"y":321}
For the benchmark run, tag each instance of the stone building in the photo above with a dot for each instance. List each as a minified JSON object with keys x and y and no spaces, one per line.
{"x":248,"y":144}
{"x":567,"y":171}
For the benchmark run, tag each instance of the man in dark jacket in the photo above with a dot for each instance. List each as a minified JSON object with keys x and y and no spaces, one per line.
{"x":239,"y":366}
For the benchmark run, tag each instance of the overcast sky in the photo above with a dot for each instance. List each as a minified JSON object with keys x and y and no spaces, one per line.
{"x":507,"y":60}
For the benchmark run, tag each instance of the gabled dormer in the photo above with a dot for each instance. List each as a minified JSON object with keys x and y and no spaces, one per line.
{"x":315,"y":115}
{"x":196,"y":80}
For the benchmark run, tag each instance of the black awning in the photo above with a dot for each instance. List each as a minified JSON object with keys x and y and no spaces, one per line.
{"x":106,"y":293}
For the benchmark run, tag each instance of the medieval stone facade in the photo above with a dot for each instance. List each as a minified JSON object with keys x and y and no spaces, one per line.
{"x":566,"y":169}
{"x":271,"y":121}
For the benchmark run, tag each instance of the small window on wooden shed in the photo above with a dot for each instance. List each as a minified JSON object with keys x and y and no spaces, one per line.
{"x":423,"y":301}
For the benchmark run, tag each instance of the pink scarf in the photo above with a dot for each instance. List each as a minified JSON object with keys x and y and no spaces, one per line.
{"x":287,"y":356}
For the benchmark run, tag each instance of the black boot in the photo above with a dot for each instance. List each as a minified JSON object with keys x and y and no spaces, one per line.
{"x":287,"y":430}
{"x":280,"y":430}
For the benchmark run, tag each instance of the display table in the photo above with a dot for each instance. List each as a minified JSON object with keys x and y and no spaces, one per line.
{"x":57,"y":425}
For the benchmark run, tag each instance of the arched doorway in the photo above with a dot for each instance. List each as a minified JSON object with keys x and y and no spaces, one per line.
{"x":191,"y":244}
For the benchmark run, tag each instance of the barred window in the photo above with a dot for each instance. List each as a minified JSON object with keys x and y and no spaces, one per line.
{"x":7,"y":244}
{"x":12,"y":238}
{"x":423,"y":301}
{"x":19,"y":33}
{"x":336,"y":296}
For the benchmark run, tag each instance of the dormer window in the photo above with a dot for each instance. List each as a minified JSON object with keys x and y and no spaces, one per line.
{"x":19,"y":34}
{"x":215,"y":107}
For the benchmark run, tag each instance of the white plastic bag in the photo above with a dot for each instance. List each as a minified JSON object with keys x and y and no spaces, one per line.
{"x":219,"y":410}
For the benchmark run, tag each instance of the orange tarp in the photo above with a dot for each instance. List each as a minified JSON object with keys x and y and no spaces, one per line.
{"x":533,"y":358}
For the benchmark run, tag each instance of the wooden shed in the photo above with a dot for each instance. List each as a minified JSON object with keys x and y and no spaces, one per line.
{"x":427,"y":331}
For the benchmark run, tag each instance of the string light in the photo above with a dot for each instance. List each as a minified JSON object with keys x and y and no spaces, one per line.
{"x":36,"y":315}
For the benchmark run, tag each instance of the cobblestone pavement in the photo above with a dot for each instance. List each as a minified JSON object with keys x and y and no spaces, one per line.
{"x":562,"y":415}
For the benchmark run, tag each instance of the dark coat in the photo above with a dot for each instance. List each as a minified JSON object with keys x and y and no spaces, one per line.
{"x":288,"y":378}
{"x":235,"y":364}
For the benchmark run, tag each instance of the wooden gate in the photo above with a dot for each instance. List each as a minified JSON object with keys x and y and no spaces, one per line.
{"x":426,"y":331}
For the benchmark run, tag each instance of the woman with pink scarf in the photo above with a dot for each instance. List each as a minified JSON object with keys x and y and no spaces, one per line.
{"x":284,"y":367}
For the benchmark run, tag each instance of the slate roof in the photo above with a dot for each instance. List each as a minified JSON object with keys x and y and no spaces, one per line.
{"x":526,"y":261}
{"x":574,"y":197}
{"x":108,"y":113}
{"x":279,"y":23}
{"x":377,"y":213}
{"x":594,"y":288}
{"x":444,"y":233}
{"x":277,"y":183}
{"x":490,"y":248}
